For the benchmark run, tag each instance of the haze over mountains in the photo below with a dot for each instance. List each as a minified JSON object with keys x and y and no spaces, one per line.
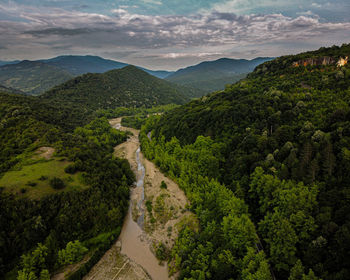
{"x":32,"y":77}
{"x":35,"y":77}
{"x":214,"y":75}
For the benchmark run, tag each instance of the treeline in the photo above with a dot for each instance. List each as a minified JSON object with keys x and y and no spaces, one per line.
{"x":281,"y":143}
{"x":225,"y":246}
{"x":134,"y":117}
{"x":57,"y":219}
{"x":124,"y":111}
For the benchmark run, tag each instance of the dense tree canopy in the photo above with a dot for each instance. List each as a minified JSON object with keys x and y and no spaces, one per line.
{"x":279,"y":140}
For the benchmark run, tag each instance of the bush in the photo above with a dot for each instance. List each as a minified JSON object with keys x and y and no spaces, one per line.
{"x":32,"y":184}
{"x":163,"y":185}
{"x":73,"y":253}
{"x":43,"y":178}
{"x":57,"y":183}
{"x":149,"y":206}
{"x":71,"y":169}
{"x":162,"y":252}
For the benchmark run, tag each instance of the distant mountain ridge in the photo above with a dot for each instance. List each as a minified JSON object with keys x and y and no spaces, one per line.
{"x":78,"y":65}
{"x":35,"y":77}
{"x":128,"y":87}
{"x":32,"y":77}
{"x":7,"y":62}
{"x":214,"y":75}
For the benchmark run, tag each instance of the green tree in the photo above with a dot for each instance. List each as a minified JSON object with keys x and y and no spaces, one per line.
{"x":73,"y":252}
{"x":255,"y":266}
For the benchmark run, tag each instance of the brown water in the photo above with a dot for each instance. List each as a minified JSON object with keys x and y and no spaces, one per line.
{"x":133,"y":239}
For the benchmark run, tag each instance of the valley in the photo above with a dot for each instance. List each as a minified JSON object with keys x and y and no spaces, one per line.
{"x":133,"y":256}
{"x":122,"y":175}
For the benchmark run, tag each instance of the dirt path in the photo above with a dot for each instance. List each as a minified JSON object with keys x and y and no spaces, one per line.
{"x":133,"y":256}
{"x":44,"y":152}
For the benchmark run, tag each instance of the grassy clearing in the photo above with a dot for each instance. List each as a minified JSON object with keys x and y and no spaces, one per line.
{"x":33,"y":180}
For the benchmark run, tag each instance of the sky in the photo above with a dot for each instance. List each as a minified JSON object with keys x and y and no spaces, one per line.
{"x":169,"y":34}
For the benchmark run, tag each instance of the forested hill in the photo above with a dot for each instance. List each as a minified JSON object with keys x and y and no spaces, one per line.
{"x":282,"y":144}
{"x":25,"y":120}
{"x":50,"y":201}
{"x":128,"y":87}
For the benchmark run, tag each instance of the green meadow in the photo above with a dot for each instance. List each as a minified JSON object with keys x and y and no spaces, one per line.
{"x":33,"y":180}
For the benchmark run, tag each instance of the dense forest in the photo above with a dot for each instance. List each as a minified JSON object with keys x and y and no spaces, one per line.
{"x":265,"y":164}
{"x":39,"y":236}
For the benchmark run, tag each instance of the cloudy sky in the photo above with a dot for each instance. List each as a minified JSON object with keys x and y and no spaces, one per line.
{"x":169,"y":34}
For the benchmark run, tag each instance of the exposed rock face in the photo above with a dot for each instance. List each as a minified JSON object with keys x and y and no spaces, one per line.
{"x":315,"y":61}
{"x":326,"y":60}
{"x":342,"y":61}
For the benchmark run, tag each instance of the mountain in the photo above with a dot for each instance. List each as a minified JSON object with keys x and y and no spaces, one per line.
{"x":10,"y":90}
{"x":32,"y":77}
{"x":265,"y":164}
{"x":78,"y":65}
{"x":3,"y":62}
{"x":214,"y":75}
{"x":129,"y":87}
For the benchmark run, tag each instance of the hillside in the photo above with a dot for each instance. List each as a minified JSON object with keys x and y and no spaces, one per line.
{"x":58,"y":180}
{"x":214,"y":75}
{"x":129,"y":87}
{"x":278,"y":143}
{"x":32,"y":77}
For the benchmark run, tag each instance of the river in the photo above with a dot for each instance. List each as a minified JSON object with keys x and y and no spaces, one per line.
{"x":134,"y":242}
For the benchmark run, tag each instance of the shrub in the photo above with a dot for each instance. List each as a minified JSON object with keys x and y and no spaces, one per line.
{"x":149,"y":206}
{"x":162,"y":252}
{"x":71,"y":169}
{"x":57,"y":183}
{"x":73,"y":253}
{"x":32,"y":184}
{"x":163,"y":185}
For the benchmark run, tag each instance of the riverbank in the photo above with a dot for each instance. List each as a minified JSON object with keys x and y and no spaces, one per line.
{"x":145,"y":227}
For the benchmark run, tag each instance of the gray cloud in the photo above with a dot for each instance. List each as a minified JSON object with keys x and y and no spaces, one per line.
{"x":166,"y":38}
{"x":58,"y":31}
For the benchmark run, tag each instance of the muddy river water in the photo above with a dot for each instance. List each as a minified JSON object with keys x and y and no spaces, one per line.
{"x":134,"y":243}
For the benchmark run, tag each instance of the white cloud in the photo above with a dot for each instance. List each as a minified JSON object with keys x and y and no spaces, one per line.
{"x":242,"y":6}
{"x":307,"y":13}
{"x":184,"y":55}
{"x":154,"y":2}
